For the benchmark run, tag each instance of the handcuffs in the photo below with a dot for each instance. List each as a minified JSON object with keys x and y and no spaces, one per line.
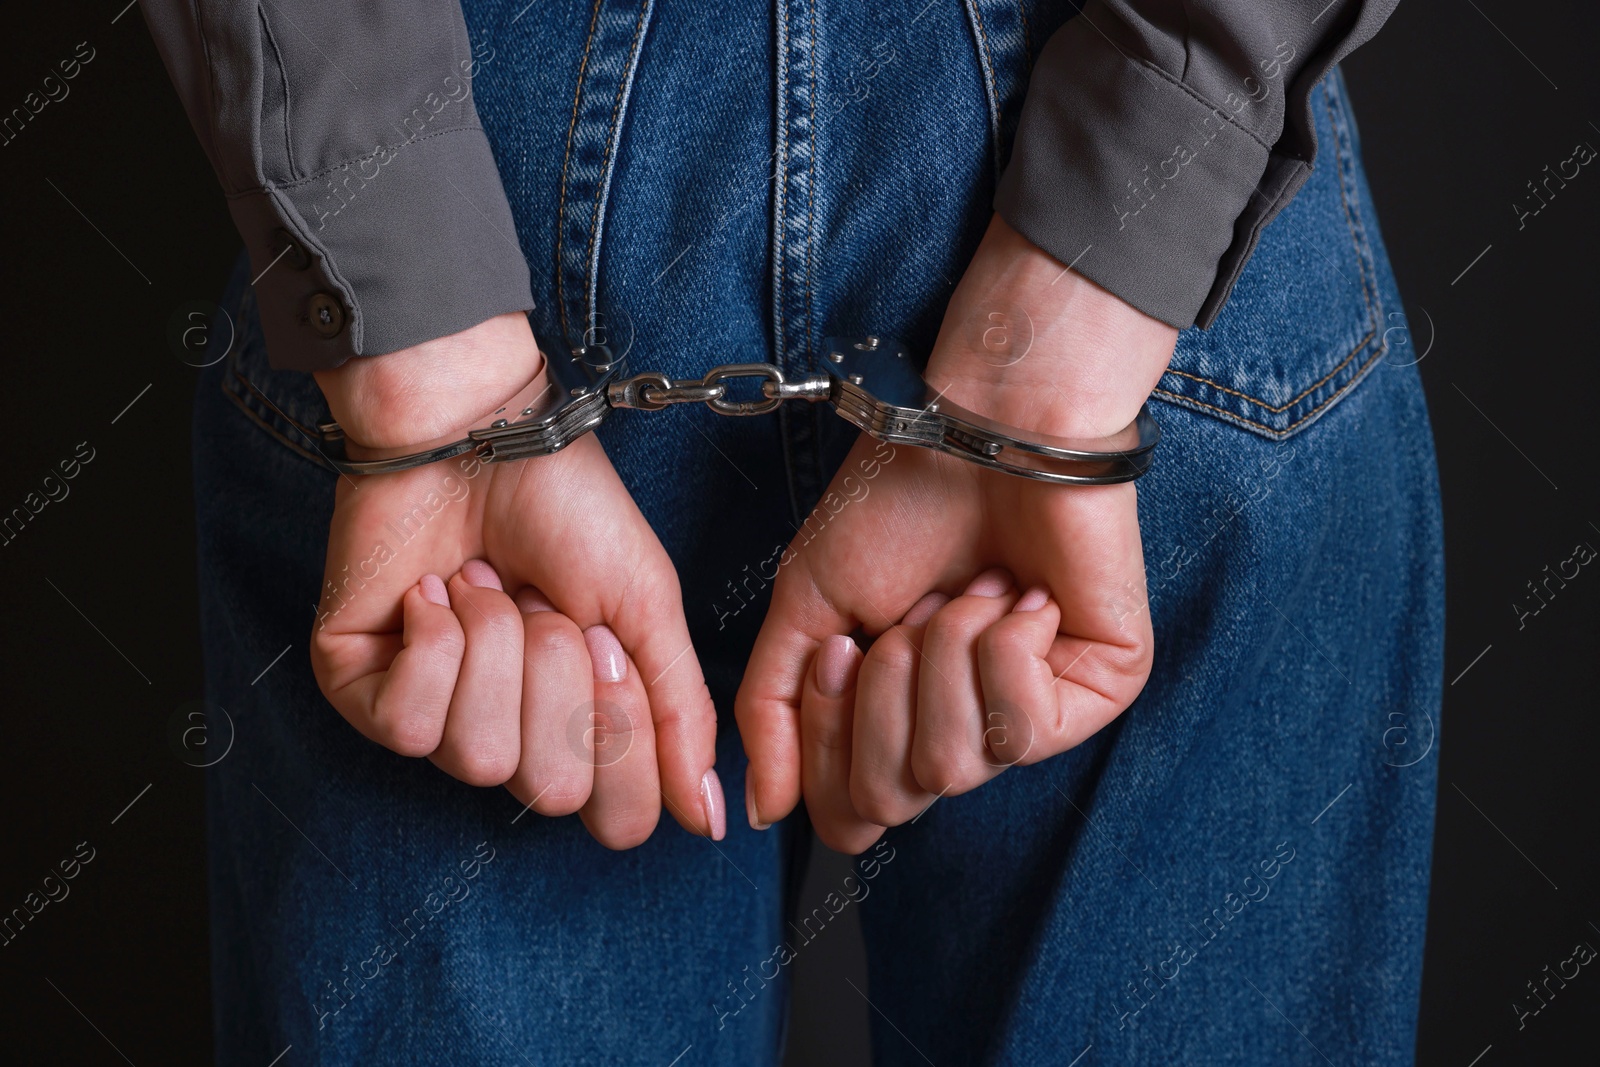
{"x":872,"y":383}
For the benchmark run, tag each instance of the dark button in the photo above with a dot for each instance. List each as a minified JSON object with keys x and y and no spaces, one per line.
{"x":326,"y":315}
{"x":293,"y":253}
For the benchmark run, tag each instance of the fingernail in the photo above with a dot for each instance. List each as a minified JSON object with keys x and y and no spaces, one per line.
{"x":433,"y":590}
{"x":1033,"y":599}
{"x":716,"y":805}
{"x":605,"y":652}
{"x":480,"y":574}
{"x":750,"y":804}
{"x":995,"y":582}
{"x":924,"y":609}
{"x":530,"y":600}
{"x":834,"y":660}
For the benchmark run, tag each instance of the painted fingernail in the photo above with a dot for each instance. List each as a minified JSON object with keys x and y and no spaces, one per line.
{"x":530,"y":600}
{"x":605,"y":652}
{"x":834,"y":661}
{"x":478,"y":573}
{"x":991,"y":583}
{"x":716,"y":806}
{"x":750,"y":804}
{"x":924,"y":609}
{"x":1033,"y":599}
{"x":433,"y":590}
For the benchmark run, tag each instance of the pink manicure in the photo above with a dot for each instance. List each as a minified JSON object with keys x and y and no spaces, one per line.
{"x":605,"y":652}
{"x":716,"y":806}
{"x":924,"y":609}
{"x":991,"y":583}
{"x":478,"y":573}
{"x":433,"y":590}
{"x":1033,"y":599}
{"x":530,"y":600}
{"x":834,"y":660}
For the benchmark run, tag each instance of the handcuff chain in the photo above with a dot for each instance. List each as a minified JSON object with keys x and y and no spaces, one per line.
{"x":653,"y":390}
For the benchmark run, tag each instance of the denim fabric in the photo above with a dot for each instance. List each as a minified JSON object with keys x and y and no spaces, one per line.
{"x":1236,"y":871}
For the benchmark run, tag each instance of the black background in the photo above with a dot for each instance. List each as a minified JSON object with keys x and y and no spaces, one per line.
{"x":112,"y":225}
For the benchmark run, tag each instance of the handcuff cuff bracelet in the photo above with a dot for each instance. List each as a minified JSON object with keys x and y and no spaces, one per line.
{"x":871,"y":383}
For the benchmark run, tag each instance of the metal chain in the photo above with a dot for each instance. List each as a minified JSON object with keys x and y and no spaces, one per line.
{"x":653,"y":390}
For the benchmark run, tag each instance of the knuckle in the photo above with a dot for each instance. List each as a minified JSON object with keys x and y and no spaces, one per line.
{"x":828,"y":733}
{"x":499,"y":628}
{"x":559,"y":795}
{"x":878,"y":803}
{"x":553,"y":638}
{"x":1004,"y":642}
{"x":484,"y":766}
{"x":849,"y":838}
{"x":407,"y":728}
{"x":624,"y":830}
{"x":891,"y":654}
{"x":945,"y":771}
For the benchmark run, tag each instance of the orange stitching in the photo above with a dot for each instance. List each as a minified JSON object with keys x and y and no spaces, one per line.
{"x":811,"y":183}
{"x":611,"y":144}
{"x":566,"y":161}
{"x":1287,"y":430}
{"x":1366,"y":297}
{"x":987,"y":66}
{"x":780,"y":188}
{"x":1027,"y":38}
{"x":1309,"y":389}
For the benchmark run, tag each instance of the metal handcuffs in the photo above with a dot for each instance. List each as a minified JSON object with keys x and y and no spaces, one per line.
{"x":871,"y":383}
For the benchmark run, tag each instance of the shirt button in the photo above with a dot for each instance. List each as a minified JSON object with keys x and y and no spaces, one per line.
{"x":326,"y":315}
{"x":292,"y":252}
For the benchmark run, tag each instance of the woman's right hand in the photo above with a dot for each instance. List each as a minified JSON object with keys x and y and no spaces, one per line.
{"x":516,"y":623}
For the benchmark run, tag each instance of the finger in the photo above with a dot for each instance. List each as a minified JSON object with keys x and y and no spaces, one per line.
{"x":555,"y":773}
{"x":947,"y":751}
{"x":625,"y":803}
{"x":482,"y":735}
{"x":826,"y":710}
{"x":1103,"y":654}
{"x":651,"y":626}
{"x":1022,"y":711}
{"x":403,"y":707}
{"x":883,"y":788}
{"x":768,"y":704}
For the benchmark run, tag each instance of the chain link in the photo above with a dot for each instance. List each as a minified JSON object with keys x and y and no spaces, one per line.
{"x":653,"y":390}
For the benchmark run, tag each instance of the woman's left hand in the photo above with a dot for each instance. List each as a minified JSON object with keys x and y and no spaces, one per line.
{"x":1008,"y":615}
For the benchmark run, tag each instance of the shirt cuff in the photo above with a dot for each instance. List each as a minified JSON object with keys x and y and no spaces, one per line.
{"x":1133,"y":179}
{"x":409,"y":244}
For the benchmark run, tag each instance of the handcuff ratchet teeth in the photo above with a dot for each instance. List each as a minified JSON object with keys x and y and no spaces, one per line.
{"x":872,"y":383}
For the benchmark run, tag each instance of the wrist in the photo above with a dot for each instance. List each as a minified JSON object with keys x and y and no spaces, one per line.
{"x":434,"y":392}
{"x":1032,"y":344}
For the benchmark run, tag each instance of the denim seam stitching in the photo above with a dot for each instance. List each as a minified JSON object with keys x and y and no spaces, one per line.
{"x":985,"y":64}
{"x":1366,"y":296}
{"x":566,"y":164}
{"x":608,"y":159}
{"x":811,"y":194}
{"x":1027,"y":38}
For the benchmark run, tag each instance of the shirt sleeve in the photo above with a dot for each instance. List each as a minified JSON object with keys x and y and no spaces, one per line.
{"x":348,"y":146}
{"x":1158,"y":138}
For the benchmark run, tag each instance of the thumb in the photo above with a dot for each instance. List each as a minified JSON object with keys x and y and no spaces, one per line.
{"x":767,"y":708}
{"x":651,"y":626}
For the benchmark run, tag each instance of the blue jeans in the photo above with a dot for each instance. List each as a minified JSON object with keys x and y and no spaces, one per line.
{"x":697,"y":186}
